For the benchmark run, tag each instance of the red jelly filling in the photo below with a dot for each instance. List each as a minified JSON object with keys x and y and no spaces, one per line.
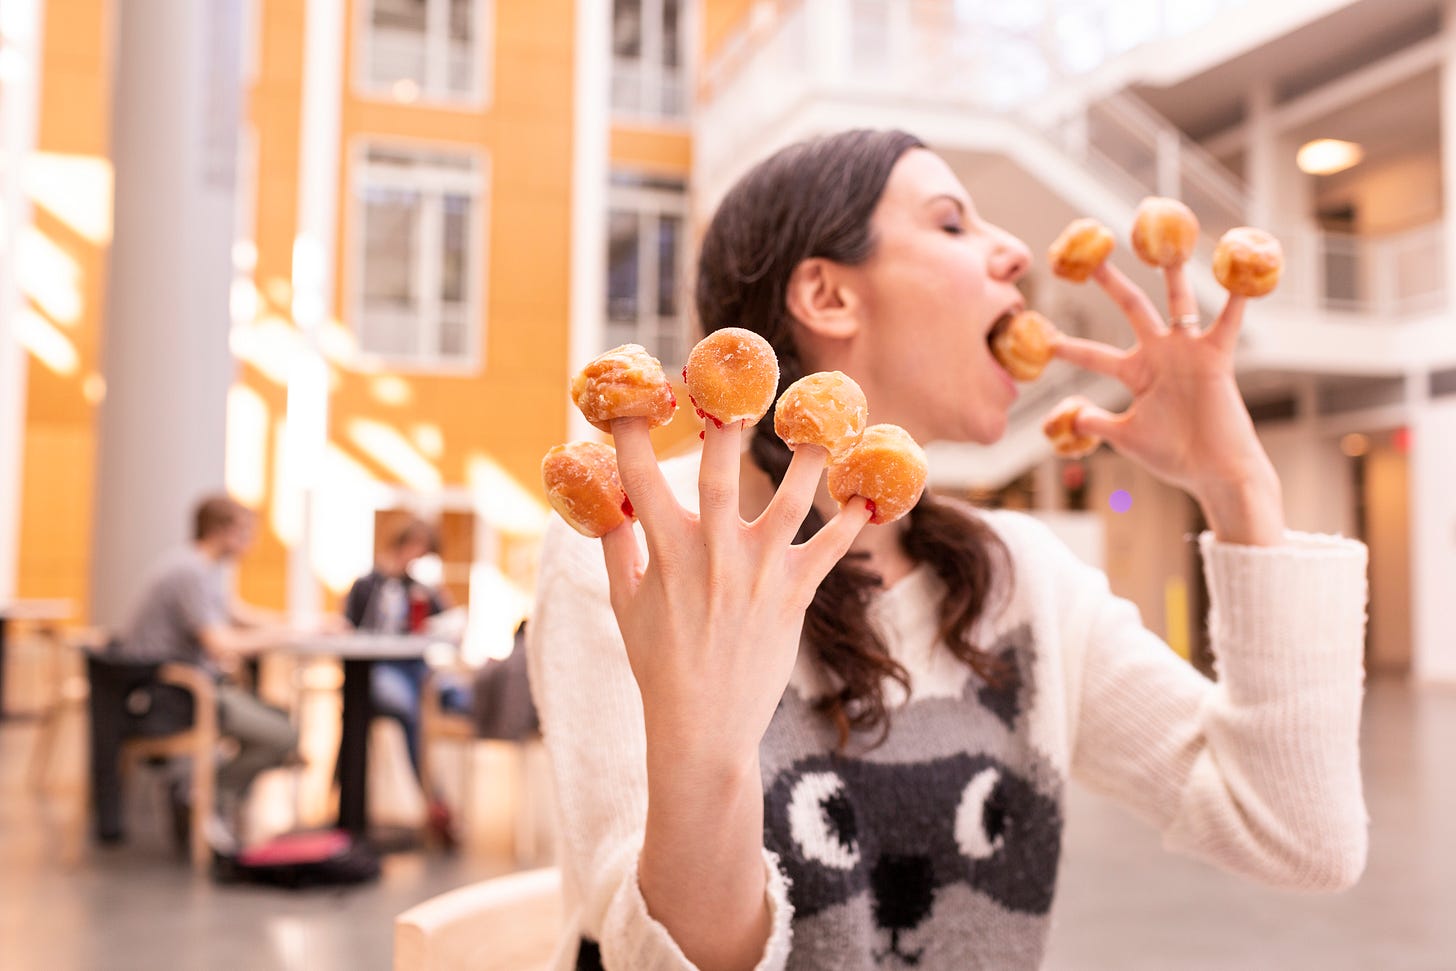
{"x":627,"y":508}
{"x":874,"y":514}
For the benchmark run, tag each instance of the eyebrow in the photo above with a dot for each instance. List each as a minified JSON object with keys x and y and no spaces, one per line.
{"x":960,"y":206}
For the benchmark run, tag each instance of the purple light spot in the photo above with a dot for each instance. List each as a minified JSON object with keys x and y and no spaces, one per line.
{"x":1120,"y":501}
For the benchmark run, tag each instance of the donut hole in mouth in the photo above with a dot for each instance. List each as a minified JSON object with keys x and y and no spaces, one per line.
{"x":999,"y":328}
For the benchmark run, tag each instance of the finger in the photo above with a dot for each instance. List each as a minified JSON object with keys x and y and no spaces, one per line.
{"x":1092,"y":355}
{"x":652,"y":500}
{"x":828,"y":546}
{"x":780,"y":522}
{"x":1135,"y":305}
{"x":1092,"y":420}
{"x":625,"y":563}
{"x":718,"y":479}
{"x":1224,"y":334}
{"x":1181,"y":302}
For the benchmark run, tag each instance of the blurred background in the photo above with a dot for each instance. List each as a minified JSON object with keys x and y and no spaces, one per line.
{"x":340,"y":257}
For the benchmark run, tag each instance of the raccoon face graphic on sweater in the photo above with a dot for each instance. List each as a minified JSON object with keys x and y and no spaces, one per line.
{"x":937,"y":849}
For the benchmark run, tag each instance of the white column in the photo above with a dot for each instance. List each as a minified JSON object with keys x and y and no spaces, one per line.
{"x":20,"y":35}
{"x":1448,"y":138}
{"x":589,"y":173}
{"x":175,"y":119}
{"x":314,"y":247}
{"x":1433,"y":538}
{"x":1261,"y":172}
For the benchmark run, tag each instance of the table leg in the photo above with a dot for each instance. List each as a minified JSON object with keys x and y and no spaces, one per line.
{"x":354,"y":748}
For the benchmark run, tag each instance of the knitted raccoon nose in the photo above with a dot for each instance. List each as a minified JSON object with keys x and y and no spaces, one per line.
{"x":904,"y":889}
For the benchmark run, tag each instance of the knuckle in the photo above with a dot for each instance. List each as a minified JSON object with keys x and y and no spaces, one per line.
{"x":715,"y":495}
{"x":636,"y":481}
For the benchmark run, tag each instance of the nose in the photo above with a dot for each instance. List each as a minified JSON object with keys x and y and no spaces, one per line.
{"x":1010,"y":259}
{"x":904,"y":889}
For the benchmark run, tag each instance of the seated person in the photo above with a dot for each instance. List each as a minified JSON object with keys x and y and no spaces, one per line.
{"x":185,"y":614}
{"x":389,"y":600}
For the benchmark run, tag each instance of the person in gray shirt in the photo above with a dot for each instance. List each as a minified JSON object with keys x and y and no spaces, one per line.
{"x":186,"y":615}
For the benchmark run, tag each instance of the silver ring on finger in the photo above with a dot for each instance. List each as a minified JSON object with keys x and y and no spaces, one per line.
{"x":1188,"y":322}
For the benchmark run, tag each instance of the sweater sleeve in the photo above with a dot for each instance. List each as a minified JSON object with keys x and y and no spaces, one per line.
{"x":1257,"y":773}
{"x":591,"y":715}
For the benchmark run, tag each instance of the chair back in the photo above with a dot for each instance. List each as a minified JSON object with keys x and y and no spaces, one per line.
{"x":507,"y":924}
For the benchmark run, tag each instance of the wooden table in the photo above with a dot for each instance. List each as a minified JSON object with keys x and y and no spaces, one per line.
{"x":359,"y":650}
{"x":33,"y":610}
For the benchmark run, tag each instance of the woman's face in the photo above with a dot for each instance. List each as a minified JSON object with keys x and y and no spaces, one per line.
{"x":935,"y":284}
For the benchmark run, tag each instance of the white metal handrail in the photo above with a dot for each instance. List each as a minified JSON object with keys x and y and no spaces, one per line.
{"x":1390,"y":277}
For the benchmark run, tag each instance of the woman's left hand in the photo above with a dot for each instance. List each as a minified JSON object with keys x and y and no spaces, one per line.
{"x":1187,"y":423}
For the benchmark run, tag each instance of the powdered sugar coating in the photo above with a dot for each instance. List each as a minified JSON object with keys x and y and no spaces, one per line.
{"x":732,"y":375}
{"x":1164,"y":232}
{"x":827,"y":409}
{"x":1061,"y":427}
{"x":1081,"y":248}
{"x":1248,"y":261}
{"x":625,"y":382}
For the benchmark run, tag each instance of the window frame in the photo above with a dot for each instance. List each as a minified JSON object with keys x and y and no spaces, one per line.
{"x":426,"y":278}
{"x":655,"y":201}
{"x":651,"y":72}
{"x":437,"y":45}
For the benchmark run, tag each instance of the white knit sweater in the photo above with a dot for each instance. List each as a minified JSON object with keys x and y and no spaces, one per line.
{"x":939,"y":848}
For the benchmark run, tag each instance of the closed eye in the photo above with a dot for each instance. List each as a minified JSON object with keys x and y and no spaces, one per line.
{"x":821,"y":821}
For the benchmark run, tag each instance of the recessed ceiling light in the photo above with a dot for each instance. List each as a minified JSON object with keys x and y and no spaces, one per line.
{"x":1326,"y":156}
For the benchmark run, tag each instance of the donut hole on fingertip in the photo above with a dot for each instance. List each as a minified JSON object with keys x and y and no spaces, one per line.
{"x":885,"y":467}
{"x":584,"y":487}
{"x":732,"y":375}
{"x":826,"y":409}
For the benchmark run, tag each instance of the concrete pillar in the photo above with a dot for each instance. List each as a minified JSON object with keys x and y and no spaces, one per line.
{"x":20,"y":35}
{"x":175,"y":118}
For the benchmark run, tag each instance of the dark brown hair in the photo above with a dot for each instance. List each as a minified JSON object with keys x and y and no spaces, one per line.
{"x":213,"y":514}
{"x":814,"y":200}
{"x":414,"y":528}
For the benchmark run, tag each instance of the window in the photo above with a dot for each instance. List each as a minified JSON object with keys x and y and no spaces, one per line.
{"x":646,"y":256}
{"x":424,"y":49}
{"x":419,"y":256}
{"x":648,"y":56}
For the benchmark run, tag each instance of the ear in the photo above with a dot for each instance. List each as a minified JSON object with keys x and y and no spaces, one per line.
{"x":821,"y":299}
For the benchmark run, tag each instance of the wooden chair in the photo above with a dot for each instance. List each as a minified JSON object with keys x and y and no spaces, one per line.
{"x":507,"y":924}
{"x":113,"y":682}
{"x":531,"y":838}
{"x":66,"y":693}
{"x":198,"y":743}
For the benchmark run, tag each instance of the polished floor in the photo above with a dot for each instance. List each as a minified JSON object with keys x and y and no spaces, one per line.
{"x":1124,"y":903}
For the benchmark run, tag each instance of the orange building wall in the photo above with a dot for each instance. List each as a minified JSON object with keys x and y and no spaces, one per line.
{"x":72,"y":214}
{"x":515,"y":407}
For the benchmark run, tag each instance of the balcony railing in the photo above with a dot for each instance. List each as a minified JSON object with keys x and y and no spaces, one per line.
{"x":972,"y":56}
{"x":1392,"y":277}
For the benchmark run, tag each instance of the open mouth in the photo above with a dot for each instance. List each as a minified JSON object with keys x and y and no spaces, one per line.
{"x":999,"y":328}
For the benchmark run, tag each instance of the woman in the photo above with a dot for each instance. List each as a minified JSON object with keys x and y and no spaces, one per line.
{"x":900,"y":804}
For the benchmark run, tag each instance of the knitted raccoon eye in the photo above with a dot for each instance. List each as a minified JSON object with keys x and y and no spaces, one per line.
{"x":821,"y":821}
{"x":981,"y":817}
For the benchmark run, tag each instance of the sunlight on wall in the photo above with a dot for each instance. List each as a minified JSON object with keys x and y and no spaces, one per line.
{"x":392,"y":450}
{"x":502,"y":501}
{"x":429,"y":440}
{"x":285,"y":514}
{"x":76,"y":189}
{"x":49,"y":276}
{"x":390,"y":389}
{"x":343,"y":521}
{"x":497,"y":606}
{"x":47,"y":344}
{"x":270,"y":344}
{"x":246,"y":453}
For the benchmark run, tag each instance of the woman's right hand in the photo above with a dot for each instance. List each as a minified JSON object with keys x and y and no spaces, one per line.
{"x":712,"y":618}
